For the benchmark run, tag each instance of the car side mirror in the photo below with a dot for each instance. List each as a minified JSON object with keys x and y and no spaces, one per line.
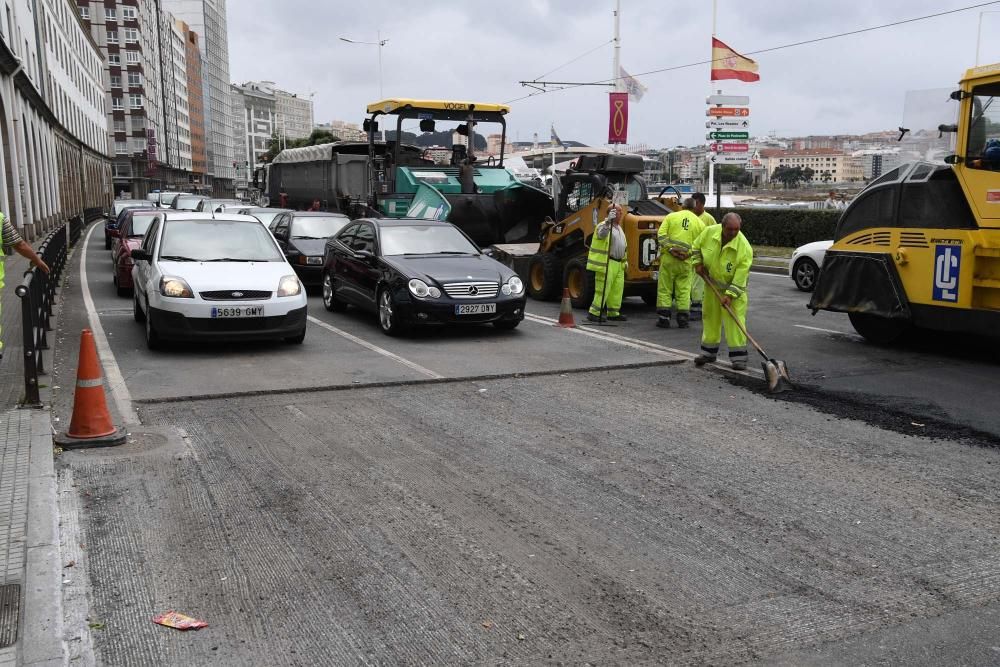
{"x":365,"y":255}
{"x":139,"y":255}
{"x":490,"y":252}
{"x":953,"y":159}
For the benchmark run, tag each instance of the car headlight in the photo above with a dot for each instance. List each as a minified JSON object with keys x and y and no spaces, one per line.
{"x":175,"y":287}
{"x":314,"y":261}
{"x":289,"y":286}
{"x":515,"y":285}
{"x":422,"y":290}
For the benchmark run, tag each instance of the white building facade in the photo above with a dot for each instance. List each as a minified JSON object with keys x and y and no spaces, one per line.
{"x":53,"y":148}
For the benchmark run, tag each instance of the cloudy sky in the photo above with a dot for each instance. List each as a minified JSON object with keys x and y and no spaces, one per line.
{"x":477,"y":50}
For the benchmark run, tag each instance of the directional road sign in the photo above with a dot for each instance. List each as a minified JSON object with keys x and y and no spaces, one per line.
{"x":728,"y":135}
{"x":737,"y":112}
{"x":731,"y":100}
{"x":729,"y":148}
{"x":729,"y":124}
{"x":730,"y":158}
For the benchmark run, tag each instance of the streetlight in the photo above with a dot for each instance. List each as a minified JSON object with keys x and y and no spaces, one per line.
{"x":979,"y":33}
{"x":379,"y":43}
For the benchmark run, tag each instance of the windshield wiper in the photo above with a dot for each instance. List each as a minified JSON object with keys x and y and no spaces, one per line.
{"x":235,"y":259}
{"x":454,"y":252}
{"x":311,"y":238}
{"x":178,"y":258}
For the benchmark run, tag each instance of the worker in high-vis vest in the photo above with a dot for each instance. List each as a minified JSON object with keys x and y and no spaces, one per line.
{"x":608,"y":259}
{"x":723,"y":256}
{"x":676,"y":238}
{"x":697,"y":285}
{"x":11,"y":240}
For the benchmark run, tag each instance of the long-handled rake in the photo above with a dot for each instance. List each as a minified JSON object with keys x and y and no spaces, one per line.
{"x":775,"y":370}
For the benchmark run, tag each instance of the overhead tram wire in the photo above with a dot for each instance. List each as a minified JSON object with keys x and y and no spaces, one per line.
{"x":565,"y":64}
{"x":758,"y":51}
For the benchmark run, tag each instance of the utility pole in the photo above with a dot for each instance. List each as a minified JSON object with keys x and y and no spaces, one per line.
{"x":617,"y":59}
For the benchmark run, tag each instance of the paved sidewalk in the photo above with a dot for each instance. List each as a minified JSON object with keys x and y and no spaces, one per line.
{"x":30,"y":562}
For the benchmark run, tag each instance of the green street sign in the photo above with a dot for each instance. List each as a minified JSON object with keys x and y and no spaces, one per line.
{"x":728,"y":135}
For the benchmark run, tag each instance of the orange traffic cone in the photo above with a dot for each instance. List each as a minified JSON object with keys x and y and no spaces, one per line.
{"x":566,"y":320}
{"x":91,"y":425}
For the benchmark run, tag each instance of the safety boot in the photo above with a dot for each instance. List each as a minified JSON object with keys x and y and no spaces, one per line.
{"x":618,"y":318}
{"x":683,"y":320}
{"x":696,"y":312}
{"x":739,"y":365}
{"x":663,"y":319}
{"x":703,"y":359}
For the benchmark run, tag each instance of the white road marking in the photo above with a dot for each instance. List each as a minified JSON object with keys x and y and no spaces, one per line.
{"x":375,"y":348}
{"x":772,"y":275}
{"x":116,"y":381}
{"x":638,"y":344}
{"x":832,"y":331}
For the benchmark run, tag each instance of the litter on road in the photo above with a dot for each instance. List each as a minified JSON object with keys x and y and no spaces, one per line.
{"x":173,"y":619}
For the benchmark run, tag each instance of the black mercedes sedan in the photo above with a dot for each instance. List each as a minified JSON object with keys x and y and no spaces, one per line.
{"x":415,"y":272}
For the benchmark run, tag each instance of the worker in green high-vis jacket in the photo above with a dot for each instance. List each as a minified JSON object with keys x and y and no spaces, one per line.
{"x":11,"y":240}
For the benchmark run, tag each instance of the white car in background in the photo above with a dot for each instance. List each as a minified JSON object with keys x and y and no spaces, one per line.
{"x":806,"y":263}
{"x":204,"y":276}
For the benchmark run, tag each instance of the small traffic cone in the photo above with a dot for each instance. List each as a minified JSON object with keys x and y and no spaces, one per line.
{"x":91,"y":424}
{"x":566,"y":320}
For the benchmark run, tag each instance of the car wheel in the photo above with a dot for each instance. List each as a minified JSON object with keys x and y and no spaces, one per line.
{"x":580,"y":283}
{"x":330,"y":301}
{"x":879,"y":330}
{"x":137,"y":313}
{"x":804,"y":273}
{"x":388,"y":315}
{"x":296,"y":340}
{"x":544,"y":277}
{"x":506,"y":325}
{"x":153,"y":341}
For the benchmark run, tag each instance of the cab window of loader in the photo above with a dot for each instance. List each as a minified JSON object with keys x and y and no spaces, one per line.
{"x":581,"y":195}
{"x":984,"y":128}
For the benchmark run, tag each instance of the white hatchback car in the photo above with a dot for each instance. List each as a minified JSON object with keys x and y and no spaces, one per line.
{"x":806,"y":262}
{"x":205,"y":276}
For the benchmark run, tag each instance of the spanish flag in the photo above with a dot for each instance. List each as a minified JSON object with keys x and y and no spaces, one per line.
{"x":727,"y":64}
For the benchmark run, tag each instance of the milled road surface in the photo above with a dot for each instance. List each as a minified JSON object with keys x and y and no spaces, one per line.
{"x":642,"y":512}
{"x":450,"y":525}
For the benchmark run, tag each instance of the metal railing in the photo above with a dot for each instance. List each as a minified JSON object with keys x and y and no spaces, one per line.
{"x":37,"y":292}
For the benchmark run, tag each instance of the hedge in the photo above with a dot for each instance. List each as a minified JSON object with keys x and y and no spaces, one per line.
{"x":786,"y":227}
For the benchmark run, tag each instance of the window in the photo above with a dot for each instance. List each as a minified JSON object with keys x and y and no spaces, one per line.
{"x":116,"y":80}
{"x":129,"y":13}
{"x":116,"y":103}
{"x":138,"y":123}
{"x":983,"y":144}
{"x":121,"y":147}
{"x":137,"y":144}
{"x":112,"y":36}
{"x":135,"y":101}
{"x":85,"y":13}
{"x":114,"y":59}
{"x":132,"y":57}
{"x":134,"y":79}
{"x":119,"y":125}
{"x":110,"y":14}
{"x":131,"y":35}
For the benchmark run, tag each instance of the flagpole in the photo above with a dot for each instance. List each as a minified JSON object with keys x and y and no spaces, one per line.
{"x":713,"y":167}
{"x":617,"y":59}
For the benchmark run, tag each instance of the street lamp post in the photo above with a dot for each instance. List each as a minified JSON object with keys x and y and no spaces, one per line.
{"x":979,"y":33}
{"x":379,"y":43}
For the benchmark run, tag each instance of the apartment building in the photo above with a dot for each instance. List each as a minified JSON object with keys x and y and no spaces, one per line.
{"x":207,"y":18}
{"x":196,"y":108}
{"x":828,"y":166}
{"x":53,"y":146}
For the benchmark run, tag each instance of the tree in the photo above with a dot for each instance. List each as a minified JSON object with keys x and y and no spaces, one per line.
{"x":826,"y":177}
{"x":732,"y":173}
{"x":807,"y":174}
{"x":789,"y":176}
